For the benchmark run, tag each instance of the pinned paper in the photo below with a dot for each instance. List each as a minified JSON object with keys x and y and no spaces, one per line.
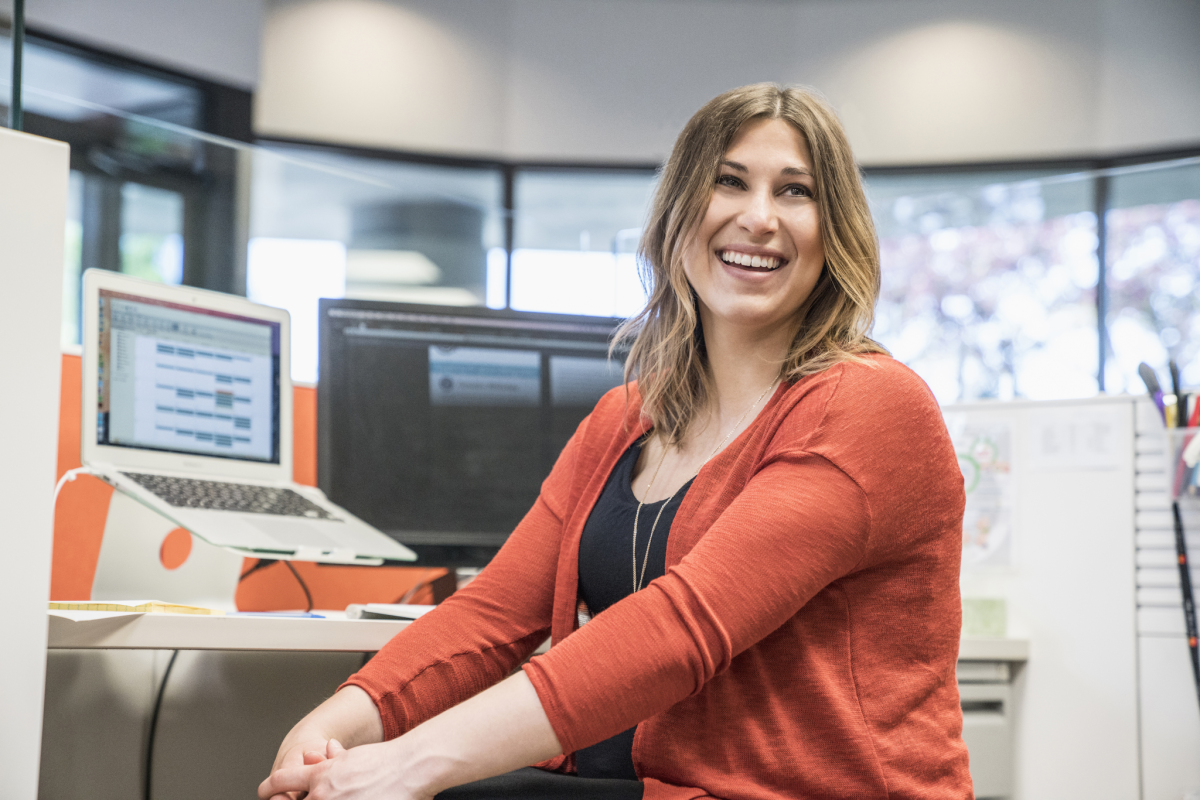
{"x":1079,"y":438}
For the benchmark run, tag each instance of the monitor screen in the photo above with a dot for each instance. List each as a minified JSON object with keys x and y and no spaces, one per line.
{"x":183,"y":379}
{"x":438,"y":425}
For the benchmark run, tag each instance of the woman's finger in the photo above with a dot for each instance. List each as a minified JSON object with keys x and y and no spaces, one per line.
{"x":288,"y":779}
{"x":313,"y":757}
{"x":333,"y":748}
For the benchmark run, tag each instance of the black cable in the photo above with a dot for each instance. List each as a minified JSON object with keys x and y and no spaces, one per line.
{"x":303,"y":585}
{"x":263,"y":563}
{"x":162,"y":688}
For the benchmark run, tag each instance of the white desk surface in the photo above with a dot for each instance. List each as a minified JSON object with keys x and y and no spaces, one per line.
{"x":102,"y":630}
{"x":993,"y":648}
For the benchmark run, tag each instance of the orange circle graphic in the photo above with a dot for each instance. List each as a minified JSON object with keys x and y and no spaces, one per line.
{"x":176,"y":548}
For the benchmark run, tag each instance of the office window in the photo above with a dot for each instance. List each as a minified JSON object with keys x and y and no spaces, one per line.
{"x":327,"y":223}
{"x":575,"y":234}
{"x":142,"y":182}
{"x":989,"y":282}
{"x":151,"y":233}
{"x":64,"y":86}
{"x":1153,"y":263}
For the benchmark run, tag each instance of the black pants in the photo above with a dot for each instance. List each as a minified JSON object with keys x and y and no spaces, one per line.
{"x":531,"y":783}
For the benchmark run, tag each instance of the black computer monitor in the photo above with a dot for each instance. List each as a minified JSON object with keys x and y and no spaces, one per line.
{"x":438,"y":424}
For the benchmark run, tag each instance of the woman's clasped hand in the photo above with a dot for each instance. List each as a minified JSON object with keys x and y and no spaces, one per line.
{"x":368,"y":771}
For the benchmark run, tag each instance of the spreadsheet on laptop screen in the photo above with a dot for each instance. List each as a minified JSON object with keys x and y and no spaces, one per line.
{"x":184,"y":379}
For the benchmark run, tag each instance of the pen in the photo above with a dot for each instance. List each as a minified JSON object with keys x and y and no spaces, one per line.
{"x":1152,"y":387}
{"x":1180,"y":398}
{"x":1191,"y":452}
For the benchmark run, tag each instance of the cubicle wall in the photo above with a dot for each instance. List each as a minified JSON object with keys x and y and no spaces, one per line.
{"x":1052,"y":535}
{"x":1106,"y":706}
{"x":33,"y":212}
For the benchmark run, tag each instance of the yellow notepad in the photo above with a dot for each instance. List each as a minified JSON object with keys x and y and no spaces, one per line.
{"x":144,"y":606}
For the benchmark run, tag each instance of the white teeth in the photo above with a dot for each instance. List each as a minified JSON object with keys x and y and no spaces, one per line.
{"x":754,"y":262}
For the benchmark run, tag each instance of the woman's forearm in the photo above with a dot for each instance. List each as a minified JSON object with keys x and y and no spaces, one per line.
{"x":496,"y":731}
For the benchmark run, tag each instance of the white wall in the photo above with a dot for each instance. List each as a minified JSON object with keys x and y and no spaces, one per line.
{"x":33,"y":215}
{"x":1151,"y":73}
{"x":216,"y":39}
{"x":916,"y":81}
{"x":428,"y":75}
{"x":961,"y":81}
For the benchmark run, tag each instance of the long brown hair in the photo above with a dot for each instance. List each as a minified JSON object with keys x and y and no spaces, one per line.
{"x":667,"y":349}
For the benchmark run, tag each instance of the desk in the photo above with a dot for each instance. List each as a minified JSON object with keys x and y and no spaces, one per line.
{"x":241,"y":684}
{"x":101,"y":630}
{"x":98,"y":630}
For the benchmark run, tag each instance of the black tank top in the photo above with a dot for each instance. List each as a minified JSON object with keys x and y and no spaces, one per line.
{"x":606,"y":577}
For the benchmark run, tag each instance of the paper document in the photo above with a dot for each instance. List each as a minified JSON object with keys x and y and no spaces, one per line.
{"x":984,"y":449}
{"x":387,"y":611}
{"x":133,"y":606}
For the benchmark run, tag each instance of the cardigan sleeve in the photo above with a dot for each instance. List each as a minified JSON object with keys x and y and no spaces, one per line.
{"x":480,"y":634}
{"x":799,"y":524}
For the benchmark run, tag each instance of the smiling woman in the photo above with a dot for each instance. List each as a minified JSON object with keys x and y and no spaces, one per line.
{"x":746,"y":558}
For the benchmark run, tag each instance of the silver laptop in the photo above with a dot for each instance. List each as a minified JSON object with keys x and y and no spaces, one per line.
{"x":187,"y":407}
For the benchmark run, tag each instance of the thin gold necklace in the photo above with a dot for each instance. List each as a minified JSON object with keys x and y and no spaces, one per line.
{"x":639,"y":578}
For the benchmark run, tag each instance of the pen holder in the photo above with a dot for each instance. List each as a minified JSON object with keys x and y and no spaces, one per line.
{"x":1183,"y":466}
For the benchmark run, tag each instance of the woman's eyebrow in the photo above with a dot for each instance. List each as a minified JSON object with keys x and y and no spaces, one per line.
{"x":739,"y":167}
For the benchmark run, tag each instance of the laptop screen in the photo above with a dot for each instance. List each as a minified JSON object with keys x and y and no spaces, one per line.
{"x":183,"y":379}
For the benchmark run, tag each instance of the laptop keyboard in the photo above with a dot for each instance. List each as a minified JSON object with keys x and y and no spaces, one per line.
{"x":221,"y":496}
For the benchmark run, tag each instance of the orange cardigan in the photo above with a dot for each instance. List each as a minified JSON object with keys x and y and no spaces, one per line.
{"x":803,"y":641}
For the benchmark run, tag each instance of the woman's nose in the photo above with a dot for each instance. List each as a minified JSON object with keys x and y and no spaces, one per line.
{"x":758,"y":215}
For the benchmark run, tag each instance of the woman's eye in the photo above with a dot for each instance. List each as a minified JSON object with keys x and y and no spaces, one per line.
{"x":729,"y":180}
{"x":798,"y":190}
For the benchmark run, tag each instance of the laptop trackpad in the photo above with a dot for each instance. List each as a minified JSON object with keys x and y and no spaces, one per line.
{"x":296,"y":533}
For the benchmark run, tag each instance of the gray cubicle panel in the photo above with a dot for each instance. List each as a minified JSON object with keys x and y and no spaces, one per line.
{"x":223,"y":716}
{"x":1167,"y":702}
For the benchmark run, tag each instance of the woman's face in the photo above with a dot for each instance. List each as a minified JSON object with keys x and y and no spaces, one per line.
{"x":757,"y":253}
